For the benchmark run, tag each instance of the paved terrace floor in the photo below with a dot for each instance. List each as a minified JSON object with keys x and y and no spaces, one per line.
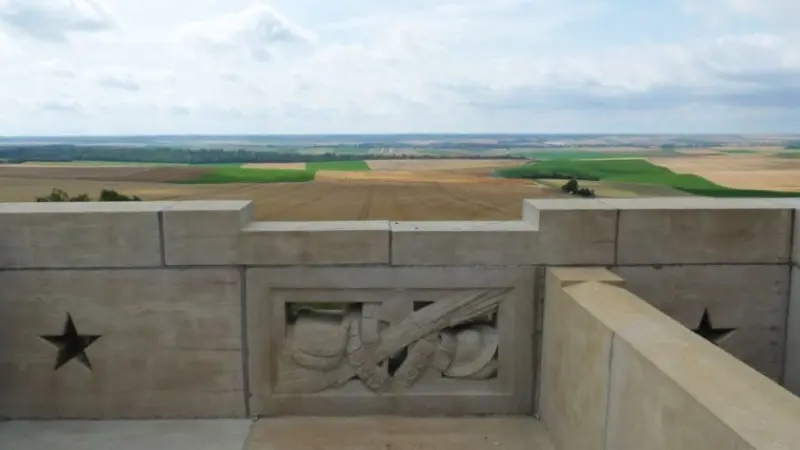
{"x":366,"y":433}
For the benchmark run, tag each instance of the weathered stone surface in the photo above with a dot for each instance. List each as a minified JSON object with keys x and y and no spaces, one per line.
{"x":169,"y":345}
{"x":271,"y":290}
{"x":793,"y":204}
{"x":60,"y":235}
{"x":201,"y":233}
{"x":791,"y":374}
{"x":574,"y":372}
{"x":216,"y":434}
{"x":572,"y":231}
{"x":315,"y":243}
{"x":670,"y":389}
{"x":648,"y":410}
{"x":751,"y":299}
{"x":222,"y":233}
{"x":463,"y":243}
{"x":398,"y":433}
{"x":701,"y":230}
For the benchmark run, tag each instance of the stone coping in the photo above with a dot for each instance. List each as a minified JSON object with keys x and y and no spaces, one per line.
{"x":680,"y":230}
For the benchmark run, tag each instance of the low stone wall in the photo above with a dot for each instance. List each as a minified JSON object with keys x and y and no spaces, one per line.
{"x":618,"y":374}
{"x":189,"y":309}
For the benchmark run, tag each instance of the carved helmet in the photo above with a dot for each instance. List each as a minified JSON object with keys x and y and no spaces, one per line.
{"x":475,"y":348}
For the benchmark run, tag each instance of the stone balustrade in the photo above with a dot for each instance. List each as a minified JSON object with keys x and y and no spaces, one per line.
{"x":190,"y":309}
{"x":618,"y":374}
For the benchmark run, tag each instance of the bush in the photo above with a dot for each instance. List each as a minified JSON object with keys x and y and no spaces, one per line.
{"x":107,"y":195}
{"x":571,"y":186}
{"x":58,"y":195}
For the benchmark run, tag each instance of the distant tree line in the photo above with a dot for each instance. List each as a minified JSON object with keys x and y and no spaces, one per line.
{"x":794,"y":145}
{"x":16,"y":154}
{"x":106,"y":195}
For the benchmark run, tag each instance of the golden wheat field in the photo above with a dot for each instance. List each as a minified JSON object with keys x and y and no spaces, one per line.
{"x":462,"y":192}
{"x":745,"y":171}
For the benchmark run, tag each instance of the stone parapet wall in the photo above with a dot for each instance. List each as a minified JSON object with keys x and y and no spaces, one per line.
{"x":618,"y":374}
{"x":184,"y":295}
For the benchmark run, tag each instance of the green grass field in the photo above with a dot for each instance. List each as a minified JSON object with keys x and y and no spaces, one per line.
{"x":735,"y":151}
{"x":346,"y":166}
{"x":223,"y":174}
{"x":632,"y":171}
{"x":578,"y":154}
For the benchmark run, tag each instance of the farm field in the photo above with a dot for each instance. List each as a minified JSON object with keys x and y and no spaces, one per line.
{"x":334,"y":195}
{"x":681,"y":173}
{"x":418,"y":165}
{"x":741,"y":171}
{"x":317,"y":200}
{"x":404,"y":189}
{"x":341,"y":166}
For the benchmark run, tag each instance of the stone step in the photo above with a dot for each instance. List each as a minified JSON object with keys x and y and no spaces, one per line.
{"x":399,"y":433}
{"x":362,"y":433}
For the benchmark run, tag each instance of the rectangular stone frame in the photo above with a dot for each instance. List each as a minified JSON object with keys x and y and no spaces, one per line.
{"x":269,"y":289}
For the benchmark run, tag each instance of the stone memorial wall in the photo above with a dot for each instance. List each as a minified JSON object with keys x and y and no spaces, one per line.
{"x":191,"y":309}
{"x":619,"y":374}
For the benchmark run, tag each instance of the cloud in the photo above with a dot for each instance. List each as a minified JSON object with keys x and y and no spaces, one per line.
{"x":129,"y":79}
{"x":743,"y":71}
{"x":258,"y":30}
{"x":60,"y":105}
{"x":786,"y":11}
{"x":54,"y":20}
{"x":421,"y":65}
{"x":58,"y":68}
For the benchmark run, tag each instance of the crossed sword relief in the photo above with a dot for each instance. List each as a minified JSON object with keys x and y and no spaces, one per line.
{"x":368,"y":349}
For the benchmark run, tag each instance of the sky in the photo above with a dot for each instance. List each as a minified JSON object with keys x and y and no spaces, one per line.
{"x":106,"y":67}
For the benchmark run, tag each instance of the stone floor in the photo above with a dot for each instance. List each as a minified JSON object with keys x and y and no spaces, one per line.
{"x":365,"y":433}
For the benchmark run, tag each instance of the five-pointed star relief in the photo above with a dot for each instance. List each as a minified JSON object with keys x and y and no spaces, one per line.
{"x":707,"y":330}
{"x":71,"y":345}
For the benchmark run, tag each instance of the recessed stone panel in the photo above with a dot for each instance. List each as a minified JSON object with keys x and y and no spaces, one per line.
{"x":105,"y":344}
{"x":745,"y":306}
{"x":338,"y":341}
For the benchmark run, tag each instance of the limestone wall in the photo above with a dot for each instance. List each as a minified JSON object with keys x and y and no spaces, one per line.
{"x":185,"y":305}
{"x":619,"y":374}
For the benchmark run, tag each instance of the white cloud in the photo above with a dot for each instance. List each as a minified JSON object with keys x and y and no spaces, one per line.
{"x":58,"y":68}
{"x":786,"y":11}
{"x":259,"y":30}
{"x":127,"y":79}
{"x":54,"y":20}
{"x":382,"y":65}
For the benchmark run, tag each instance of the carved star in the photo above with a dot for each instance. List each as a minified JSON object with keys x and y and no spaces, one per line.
{"x":71,"y":345}
{"x":706,"y":330}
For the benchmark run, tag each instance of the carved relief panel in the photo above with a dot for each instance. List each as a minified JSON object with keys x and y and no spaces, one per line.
{"x":390,"y":340}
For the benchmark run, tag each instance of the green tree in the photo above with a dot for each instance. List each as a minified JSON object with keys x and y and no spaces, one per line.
{"x":570,"y":186}
{"x":58,"y":195}
{"x":107,"y":195}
